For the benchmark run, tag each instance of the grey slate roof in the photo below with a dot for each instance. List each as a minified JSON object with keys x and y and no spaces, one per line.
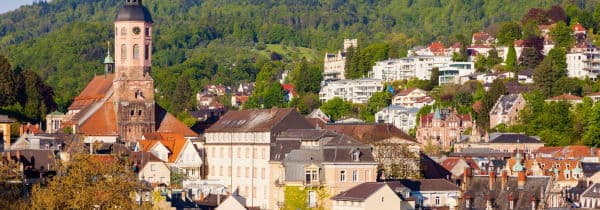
{"x":304,"y":134}
{"x":592,"y":192}
{"x":478,"y":191}
{"x":425,"y":185}
{"x":5,"y":119}
{"x":134,"y":12}
{"x":589,"y":169}
{"x":512,"y":138}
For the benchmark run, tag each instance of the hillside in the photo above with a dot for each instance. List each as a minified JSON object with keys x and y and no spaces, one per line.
{"x":65,"y":40}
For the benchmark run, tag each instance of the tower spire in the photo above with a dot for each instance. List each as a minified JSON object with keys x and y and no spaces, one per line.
{"x":108,"y":60}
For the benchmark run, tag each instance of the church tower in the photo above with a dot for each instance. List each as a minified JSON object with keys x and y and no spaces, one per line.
{"x":133,"y":85}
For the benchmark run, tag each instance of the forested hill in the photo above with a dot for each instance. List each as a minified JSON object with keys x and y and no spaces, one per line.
{"x":64,"y":40}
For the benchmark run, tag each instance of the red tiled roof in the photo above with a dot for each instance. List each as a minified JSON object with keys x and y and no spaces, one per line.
{"x":481,"y":36}
{"x":480,"y":46}
{"x":594,"y":94}
{"x":456,"y":45}
{"x":175,"y":142}
{"x":166,"y":122}
{"x":94,"y":91}
{"x":406,"y":92}
{"x":573,"y":151}
{"x":290,"y":88}
{"x":578,"y":28}
{"x":437,"y":47}
{"x":565,"y":97}
{"x":102,"y":123}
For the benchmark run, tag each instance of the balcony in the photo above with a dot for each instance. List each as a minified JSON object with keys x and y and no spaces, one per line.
{"x":279,"y":183}
{"x":313,"y":183}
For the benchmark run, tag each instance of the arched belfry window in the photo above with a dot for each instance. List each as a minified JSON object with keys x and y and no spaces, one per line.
{"x":123,"y":31}
{"x":136,"y":51}
{"x":123,"y":51}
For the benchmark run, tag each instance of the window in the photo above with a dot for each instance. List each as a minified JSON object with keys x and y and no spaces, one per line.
{"x":123,"y":31}
{"x":354,"y":176}
{"x":152,"y":167}
{"x":342,"y":176}
{"x":262,"y":173}
{"x":140,"y":112}
{"x":132,"y":112}
{"x":247,"y":172}
{"x":123,"y":51}
{"x":239,"y":172}
{"x":356,"y":155}
{"x":248,"y":152}
{"x":437,"y":200}
{"x":220,"y":170}
{"x":146,"y":52}
{"x":311,"y":175}
{"x":136,"y":51}
{"x":239,"y":152}
{"x":147,"y":31}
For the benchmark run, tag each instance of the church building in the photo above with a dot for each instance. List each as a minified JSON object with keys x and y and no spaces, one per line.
{"x":119,"y":106}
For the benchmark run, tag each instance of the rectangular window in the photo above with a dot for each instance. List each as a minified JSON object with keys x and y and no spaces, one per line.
{"x":354,"y":176}
{"x":262,"y":173}
{"x":147,"y":52}
{"x":342,"y":176}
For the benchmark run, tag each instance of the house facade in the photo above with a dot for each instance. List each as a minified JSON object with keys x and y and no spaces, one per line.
{"x":401,"y":117}
{"x":238,"y":149}
{"x":356,"y":91}
{"x":506,"y":110}
{"x":583,"y":61}
{"x":442,"y":128}
{"x":408,"y":68}
{"x":334,"y":64}
{"x":174,"y":149}
{"x":412,"y":98}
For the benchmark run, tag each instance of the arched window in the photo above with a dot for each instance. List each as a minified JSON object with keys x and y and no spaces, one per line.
{"x":123,"y":51}
{"x":136,"y":51}
{"x":140,"y":112}
{"x":123,"y":31}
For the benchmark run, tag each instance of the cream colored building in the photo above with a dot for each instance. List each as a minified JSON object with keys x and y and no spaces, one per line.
{"x":238,"y":149}
{"x":334,"y":64}
{"x":367,"y":196}
{"x":5,"y":123}
{"x":506,"y":110}
{"x":319,"y":160}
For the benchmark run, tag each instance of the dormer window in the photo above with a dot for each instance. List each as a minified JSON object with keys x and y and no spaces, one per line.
{"x":356,"y":155}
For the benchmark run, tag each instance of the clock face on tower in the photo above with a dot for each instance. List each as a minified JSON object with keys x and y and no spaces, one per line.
{"x":136,"y":30}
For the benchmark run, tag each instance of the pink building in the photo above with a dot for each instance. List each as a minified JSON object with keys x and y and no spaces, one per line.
{"x":442,"y":128}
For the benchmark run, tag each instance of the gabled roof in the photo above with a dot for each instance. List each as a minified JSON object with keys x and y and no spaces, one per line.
{"x":167,"y":123}
{"x":360,"y":192}
{"x":143,"y":158}
{"x":572,"y":151}
{"x":290,"y":88}
{"x":94,"y":91}
{"x":102,"y":123}
{"x":257,"y":120}
{"x":175,"y":142}
{"x":592,"y":192}
{"x":589,"y":169}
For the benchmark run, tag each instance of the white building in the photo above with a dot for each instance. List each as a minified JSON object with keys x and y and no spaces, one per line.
{"x":412,"y":97}
{"x":407,"y":68}
{"x":238,"y":150}
{"x":356,"y":91}
{"x":334,"y":64}
{"x":584,"y":62}
{"x":451,"y":73}
{"x":401,"y":117}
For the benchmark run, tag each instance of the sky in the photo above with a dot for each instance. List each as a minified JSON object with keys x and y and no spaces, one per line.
{"x":8,"y":5}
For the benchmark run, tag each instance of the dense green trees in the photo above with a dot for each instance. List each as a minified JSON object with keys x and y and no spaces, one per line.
{"x":508,"y":33}
{"x":487,"y":103}
{"x":306,"y":78}
{"x":562,"y":35}
{"x":336,"y":108}
{"x":63,"y":40}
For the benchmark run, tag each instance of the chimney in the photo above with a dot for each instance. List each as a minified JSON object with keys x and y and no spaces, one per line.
{"x":503,"y":180}
{"x":491,"y":180}
{"x":202,"y":196}
{"x":219,"y":199}
{"x":521,"y":179}
{"x":533,"y":202}
{"x":511,"y":202}
{"x":466,"y":178}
